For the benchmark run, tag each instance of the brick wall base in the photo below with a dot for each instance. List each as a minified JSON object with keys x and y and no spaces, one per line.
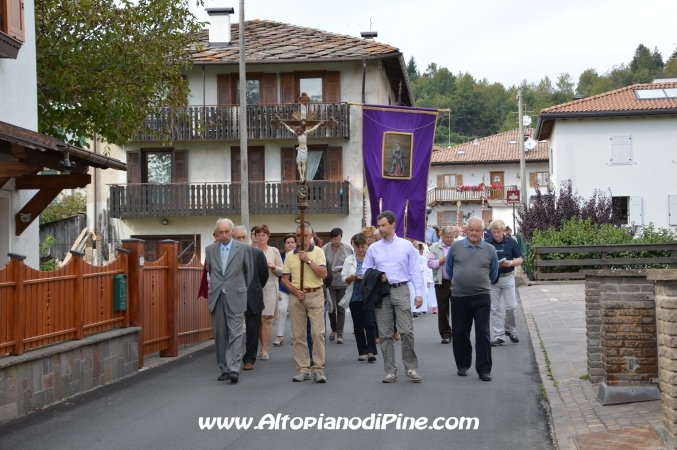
{"x":48,"y":375}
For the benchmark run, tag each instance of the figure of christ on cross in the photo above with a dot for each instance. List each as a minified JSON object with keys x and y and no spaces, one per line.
{"x":299,"y":127}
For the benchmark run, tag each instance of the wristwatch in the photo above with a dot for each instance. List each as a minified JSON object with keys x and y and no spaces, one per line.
{"x":309,"y":262}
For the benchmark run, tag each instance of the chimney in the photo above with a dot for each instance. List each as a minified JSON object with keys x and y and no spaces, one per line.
{"x":369,"y":35}
{"x":219,"y":26}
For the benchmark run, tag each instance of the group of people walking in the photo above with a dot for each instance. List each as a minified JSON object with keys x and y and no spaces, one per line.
{"x":383,"y":280}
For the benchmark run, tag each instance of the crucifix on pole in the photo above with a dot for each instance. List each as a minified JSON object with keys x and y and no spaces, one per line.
{"x":303,"y":123}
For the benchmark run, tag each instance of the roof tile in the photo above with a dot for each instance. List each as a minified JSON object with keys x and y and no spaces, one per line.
{"x":495,"y":148}
{"x":623,"y":99}
{"x":268,"y":40}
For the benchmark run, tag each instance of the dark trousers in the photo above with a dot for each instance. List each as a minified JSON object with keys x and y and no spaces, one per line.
{"x":253,"y":322}
{"x":465,"y":310}
{"x":364,"y":324}
{"x":443,"y":294}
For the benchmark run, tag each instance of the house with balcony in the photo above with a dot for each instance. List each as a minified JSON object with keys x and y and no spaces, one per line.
{"x":473,"y":179}
{"x":623,"y":140}
{"x":26,"y":188}
{"x":184,"y":169}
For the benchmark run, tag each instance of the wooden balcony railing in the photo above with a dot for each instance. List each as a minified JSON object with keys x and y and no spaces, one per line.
{"x":222,"y":122}
{"x":441,"y":195}
{"x":223,"y":199}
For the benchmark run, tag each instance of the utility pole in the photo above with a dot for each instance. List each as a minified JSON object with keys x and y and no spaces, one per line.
{"x":520,"y":140}
{"x":244,"y":160}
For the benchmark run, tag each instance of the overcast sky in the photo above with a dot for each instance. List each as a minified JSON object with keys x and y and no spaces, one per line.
{"x":501,"y":40}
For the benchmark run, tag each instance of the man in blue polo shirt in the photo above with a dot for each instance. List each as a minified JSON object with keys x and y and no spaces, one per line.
{"x":508,"y":249}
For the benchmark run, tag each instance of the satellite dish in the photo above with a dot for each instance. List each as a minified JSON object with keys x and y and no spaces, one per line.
{"x":530,"y":144}
{"x":526,"y":120}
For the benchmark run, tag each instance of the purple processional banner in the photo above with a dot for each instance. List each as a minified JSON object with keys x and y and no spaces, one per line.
{"x":397,"y":144}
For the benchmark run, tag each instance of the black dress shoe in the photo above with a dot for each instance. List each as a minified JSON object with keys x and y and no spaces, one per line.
{"x":223,"y":376}
{"x":462,"y":372}
{"x":446,"y":341}
{"x":485,"y":377}
{"x":234,"y":376}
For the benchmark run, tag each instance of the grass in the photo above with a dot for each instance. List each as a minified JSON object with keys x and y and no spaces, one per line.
{"x":548,"y":367}
{"x":585,"y":376}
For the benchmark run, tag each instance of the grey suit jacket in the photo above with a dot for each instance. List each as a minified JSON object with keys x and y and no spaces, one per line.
{"x":236,"y":280}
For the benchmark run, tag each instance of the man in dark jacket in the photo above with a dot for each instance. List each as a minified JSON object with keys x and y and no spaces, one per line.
{"x":254,"y":300}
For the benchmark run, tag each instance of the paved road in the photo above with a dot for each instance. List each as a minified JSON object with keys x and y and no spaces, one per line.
{"x":160,"y":408}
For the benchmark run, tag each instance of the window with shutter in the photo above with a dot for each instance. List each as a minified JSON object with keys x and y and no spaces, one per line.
{"x":672,"y":209}
{"x":12,"y":15}
{"x":636,"y":210}
{"x":332,"y":87}
{"x":289,"y":171}
{"x":440,"y":218}
{"x":287,"y":88}
{"x":180,"y":166}
{"x":269,"y":89}
{"x":542,"y":179}
{"x":334,"y":167}
{"x":133,"y":167}
{"x":224,"y":85}
{"x":256,"y":165}
{"x":621,"y":150}
{"x":622,"y":206}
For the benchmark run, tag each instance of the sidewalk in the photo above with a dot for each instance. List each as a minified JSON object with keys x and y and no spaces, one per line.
{"x":555,"y":315}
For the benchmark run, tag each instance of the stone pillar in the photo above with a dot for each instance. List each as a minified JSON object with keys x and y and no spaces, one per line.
{"x":593,"y":325}
{"x":625,"y":325}
{"x":666,"y":312}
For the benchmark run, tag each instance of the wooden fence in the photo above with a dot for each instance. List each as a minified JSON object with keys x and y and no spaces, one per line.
{"x":610,"y":256}
{"x":42,"y":308}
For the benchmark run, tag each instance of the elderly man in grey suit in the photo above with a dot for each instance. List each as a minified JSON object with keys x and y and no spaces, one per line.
{"x":230,"y":267}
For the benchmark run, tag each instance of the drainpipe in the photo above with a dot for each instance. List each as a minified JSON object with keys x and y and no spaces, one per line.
{"x":364,"y":175}
{"x":96,"y":191}
{"x":364,"y":75}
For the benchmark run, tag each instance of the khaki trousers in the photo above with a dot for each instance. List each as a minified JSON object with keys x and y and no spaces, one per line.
{"x":311,"y":307}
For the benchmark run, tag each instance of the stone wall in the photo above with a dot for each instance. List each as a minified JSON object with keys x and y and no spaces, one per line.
{"x":666,"y":312}
{"x":51,"y":374}
{"x":621,"y":331}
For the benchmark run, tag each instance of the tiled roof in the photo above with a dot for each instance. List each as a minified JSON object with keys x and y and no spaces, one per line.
{"x":495,"y":148}
{"x":267,"y":41}
{"x":623,"y":99}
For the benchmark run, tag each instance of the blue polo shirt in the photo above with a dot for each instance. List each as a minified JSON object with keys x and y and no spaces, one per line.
{"x":508,"y":248}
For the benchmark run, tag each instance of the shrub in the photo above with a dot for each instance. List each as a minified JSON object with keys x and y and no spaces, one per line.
{"x":576,"y":231}
{"x":551,"y":211}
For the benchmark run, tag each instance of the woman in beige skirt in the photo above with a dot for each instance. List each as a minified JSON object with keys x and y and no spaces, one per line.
{"x":271,"y":289}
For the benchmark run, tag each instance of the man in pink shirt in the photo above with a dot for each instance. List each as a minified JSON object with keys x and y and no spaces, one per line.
{"x":437,"y":256}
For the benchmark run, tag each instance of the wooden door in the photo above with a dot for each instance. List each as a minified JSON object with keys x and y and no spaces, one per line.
{"x":497,"y":178}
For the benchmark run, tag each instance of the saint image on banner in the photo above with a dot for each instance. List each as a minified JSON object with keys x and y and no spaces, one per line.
{"x":397,"y":155}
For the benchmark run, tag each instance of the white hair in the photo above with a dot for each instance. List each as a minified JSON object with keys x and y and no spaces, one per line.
{"x":306,"y":227}
{"x":475,"y":219}
{"x":241,"y":227}
{"x":497,"y":224}
{"x":447,"y":229}
{"x":230,"y":222}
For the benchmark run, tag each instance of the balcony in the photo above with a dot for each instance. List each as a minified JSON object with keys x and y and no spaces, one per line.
{"x":447,"y":195}
{"x":223,"y":199}
{"x":194,"y":123}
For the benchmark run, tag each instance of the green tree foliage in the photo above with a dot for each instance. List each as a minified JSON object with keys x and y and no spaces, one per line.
{"x":47,"y":263}
{"x":479,"y":108}
{"x":62,"y":207}
{"x":104,"y":65}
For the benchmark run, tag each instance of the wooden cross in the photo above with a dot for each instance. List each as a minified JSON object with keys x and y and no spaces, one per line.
{"x":303,"y":123}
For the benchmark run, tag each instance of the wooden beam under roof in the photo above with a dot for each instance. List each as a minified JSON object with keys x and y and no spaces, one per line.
{"x":13,"y":169}
{"x":33,"y":208}
{"x":72,"y":181}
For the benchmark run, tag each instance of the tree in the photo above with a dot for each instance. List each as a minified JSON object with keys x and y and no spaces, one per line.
{"x":105,"y":65}
{"x":412,"y":70}
{"x":64,"y":206}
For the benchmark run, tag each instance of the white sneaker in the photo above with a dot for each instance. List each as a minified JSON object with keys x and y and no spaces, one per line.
{"x":390,"y":378}
{"x":415,"y":377}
